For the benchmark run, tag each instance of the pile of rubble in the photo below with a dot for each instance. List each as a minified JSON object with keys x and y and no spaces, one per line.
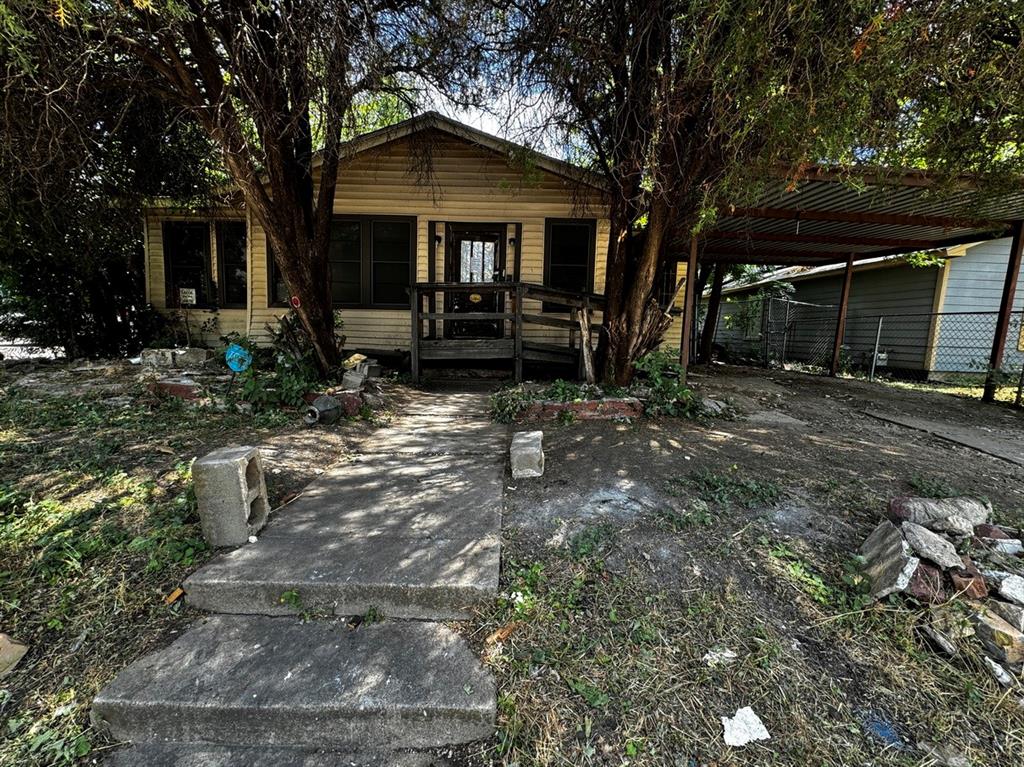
{"x":946,"y":553}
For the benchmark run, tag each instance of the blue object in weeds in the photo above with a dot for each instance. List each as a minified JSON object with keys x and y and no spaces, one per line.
{"x":238,"y":358}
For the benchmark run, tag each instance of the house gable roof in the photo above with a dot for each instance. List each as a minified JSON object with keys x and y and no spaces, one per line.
{"x":438,"y":122}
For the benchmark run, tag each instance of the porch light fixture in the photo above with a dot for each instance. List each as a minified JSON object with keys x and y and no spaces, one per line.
{"x":511,"y":242}
{"x":438,"y":239}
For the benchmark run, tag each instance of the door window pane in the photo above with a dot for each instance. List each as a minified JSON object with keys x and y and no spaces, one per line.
{"x":187,"y":260}
{"x":391,"y":246}
{"x":345,"y":256}
{"x":231,"y":260}
{"x":476,"y":261}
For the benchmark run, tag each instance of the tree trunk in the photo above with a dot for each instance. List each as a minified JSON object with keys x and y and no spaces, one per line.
{"x":636,"y":323}
{"x":707,"y":335}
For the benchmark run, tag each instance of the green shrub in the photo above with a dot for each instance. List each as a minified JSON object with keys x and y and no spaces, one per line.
{"x":668,"y":394}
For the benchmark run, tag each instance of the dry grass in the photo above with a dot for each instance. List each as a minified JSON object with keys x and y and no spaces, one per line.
{"x":605,"y":665}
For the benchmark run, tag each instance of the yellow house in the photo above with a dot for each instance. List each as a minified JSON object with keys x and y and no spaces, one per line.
{"x":429,"y":200}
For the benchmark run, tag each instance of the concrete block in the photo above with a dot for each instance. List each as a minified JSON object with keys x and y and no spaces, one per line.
{"x":192,"y":357}
{"x":157,"y":358}
{"x":527,"y":454}
{"x":232,"y":495}
{"x":352,"y":379}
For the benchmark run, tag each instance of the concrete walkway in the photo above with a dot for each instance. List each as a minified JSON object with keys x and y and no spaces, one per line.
{"x":409,"y":528}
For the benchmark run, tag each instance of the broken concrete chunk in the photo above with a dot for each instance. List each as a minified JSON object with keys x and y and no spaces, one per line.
{"x":1010,"y":546}
{"x":930,"y":546}
{"x":992,"y":532}
{"x":967,"y":581}
{"x":11,"y":652}
{"x":191,"y":357}
{"x":950,"y":515}
{"x":1011,"y":588}
{"x":1002,"y":640}
{"x":744,"y":728}
{"x":926,"y":584}
{"x":888,"y":561}
{"x":940,"y":640}
{"x":714,"y":406}
{"x":353,"y":379}
{"x":527,"y":454}
{"x":1012,"y":614}
{"x":1000,"y":674}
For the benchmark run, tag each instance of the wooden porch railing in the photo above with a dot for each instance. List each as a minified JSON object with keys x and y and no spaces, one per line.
{"x":510,"y":343}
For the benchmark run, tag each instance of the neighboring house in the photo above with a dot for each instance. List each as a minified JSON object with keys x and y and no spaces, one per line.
{"x":935,"y":320}
{"x":486,"y":210}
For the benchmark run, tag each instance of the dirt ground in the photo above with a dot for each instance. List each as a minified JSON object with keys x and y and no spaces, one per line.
{"x":647,"y":545}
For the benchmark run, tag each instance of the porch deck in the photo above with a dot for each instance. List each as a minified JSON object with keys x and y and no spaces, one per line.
{"x":434,"y":336}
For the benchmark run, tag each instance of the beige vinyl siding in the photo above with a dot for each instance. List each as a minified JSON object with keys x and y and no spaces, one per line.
{"x":468,"y":184}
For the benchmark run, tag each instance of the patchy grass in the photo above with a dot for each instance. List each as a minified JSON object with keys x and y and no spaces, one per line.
{"x":606,"y":668}
{"x":732,"y":487}
{"x":98,"y":524}
{"x":968,"y":389}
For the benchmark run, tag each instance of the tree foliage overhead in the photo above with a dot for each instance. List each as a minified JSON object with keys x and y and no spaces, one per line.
{"x":685,"y":105}
{"x":79,"y":155}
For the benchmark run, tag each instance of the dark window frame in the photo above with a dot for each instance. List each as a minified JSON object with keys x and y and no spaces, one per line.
{"x":170,"y":295}
{"x":217,"y":299}
{"x":366,"y":301}
{"x":549,"y":224}
{"x":221,"y":274}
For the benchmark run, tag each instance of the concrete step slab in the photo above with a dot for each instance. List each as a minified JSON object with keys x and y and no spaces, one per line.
{"x":440,"y":496}
{"x":258,"y":681}
{"x":401,"y":577}
{"x":195,"y":755}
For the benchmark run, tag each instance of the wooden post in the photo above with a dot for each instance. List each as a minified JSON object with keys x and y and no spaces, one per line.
{"x":432,"y":275}
{"x":844,"y":300}
{"x":518,"y":333}
{"x":688,"y":308}
{"x":586,"y":350}
{"x":995,"y":361}
{"x":414,"y":346}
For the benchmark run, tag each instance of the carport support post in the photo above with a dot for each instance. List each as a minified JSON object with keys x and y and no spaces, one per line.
{"x":688,"y":308}
{"x":844,"y":300}
{"x":995,"y":362}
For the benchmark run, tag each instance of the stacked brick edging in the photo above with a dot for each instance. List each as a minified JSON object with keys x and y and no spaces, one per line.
{"x":584,"y":410}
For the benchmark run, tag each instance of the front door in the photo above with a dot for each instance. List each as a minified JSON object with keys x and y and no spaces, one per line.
{"x":476,"y":255}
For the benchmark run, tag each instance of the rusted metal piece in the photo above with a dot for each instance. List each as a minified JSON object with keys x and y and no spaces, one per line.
{"x":844,"y":301}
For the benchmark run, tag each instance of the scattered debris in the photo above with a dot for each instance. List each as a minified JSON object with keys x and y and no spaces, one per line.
{"x":232,"y":495}
{"x":1000,"y":674}
{"x":930,"y":546}
{"x":324,"y":410}
{"x":949,"y":515}
{"x":888,"y":562}
{"x":718,"y":657}
{"x":503,"y":633}
{"x":879,"y":727}
{"x":1012,"y":588}
{"x":999,"y":638}
{"x":744,"y":728}
{"x":11,"y":652}
{"x":174,"y":596}
{"x":714,"y":406}
{"x":944,"y":756}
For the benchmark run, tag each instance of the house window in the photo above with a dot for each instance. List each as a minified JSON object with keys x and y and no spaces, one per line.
{"x":391,"y":256}
{"x":231,"y":264}
{"x":188,"y":266}
{"x":667,"y":289}
{"x":569,"y":256}
{"x":371,"y":258}
{"x":187,"y":262}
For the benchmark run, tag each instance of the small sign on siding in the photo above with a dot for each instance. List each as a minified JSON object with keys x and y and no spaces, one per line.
{"x":187,"y":296}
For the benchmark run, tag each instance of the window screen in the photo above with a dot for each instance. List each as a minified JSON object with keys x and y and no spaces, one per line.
{"x":569,"y":257}
{"x":187,"y":260}
{"x":346,"y":262}
{"x":231,"y":263}
{"x":391,"y":251}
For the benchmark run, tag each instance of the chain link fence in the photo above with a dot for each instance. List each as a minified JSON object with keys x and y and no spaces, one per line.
{"x":946,"y":348}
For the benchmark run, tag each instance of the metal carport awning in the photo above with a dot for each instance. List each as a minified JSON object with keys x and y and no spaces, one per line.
{"x":825,"y":218}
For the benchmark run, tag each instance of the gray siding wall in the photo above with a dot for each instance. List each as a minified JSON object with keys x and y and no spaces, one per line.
{"x":975,"y":284}
{"x":897,"y":290}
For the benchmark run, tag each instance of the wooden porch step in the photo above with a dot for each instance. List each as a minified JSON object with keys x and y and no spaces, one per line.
{"x":467,"y":348}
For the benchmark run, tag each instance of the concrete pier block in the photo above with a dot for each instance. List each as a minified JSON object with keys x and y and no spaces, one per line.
{"x":232,"y":495}
{"x":527,"y":454}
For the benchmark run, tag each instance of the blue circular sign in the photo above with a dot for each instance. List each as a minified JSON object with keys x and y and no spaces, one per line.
{"x":238,"y":358}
